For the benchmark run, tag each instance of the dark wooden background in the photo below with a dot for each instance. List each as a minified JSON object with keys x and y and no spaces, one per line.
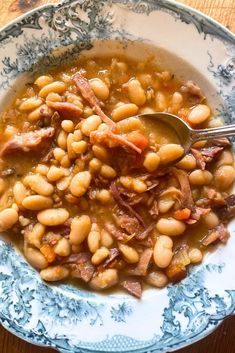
{"x":223,"y":339}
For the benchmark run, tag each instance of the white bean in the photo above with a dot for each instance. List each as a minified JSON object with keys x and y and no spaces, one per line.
{"x":106,"y":239}
{"x":157,"y":279}
{"x":151,"y":161}
{"x":67,"y":125}
{"x":100,"y":255}
{"x":211,"y":220}
{"x":130,"y":254}
{"x":162,"y":253}
{"x":62,"y":248}
{"x":55,"y":173}
{"x":124,"y":111}
{"x":90,"y":124}
{"x":35,"y":258}
{"x":34,"y":237}
{"x":104,"y":280}
{"x":187,"y":163}
{"x":80,"y":228}
{"x":195,"y":255}
{"x":38,"y":184}
{"x":19,"y":193}
{"x":199,"y":114}
{"x":55,"y":87}
{"x":170,"y":226}
{"x":53,"y":216}
{"x":200,"y":177}
{"x":224,"y":177}
{"x":100,"y":88}
{"x":37,"y":202}
{"x":8,"y":218}
{"x":136,"y":93}
{"x":94,"y":238}
{"x":80,"y":183}
{"x":43,"y":80}
{"x":30,"y":104}
{"x":108,"y":172}
{"x":170,"y":152}
{"x":54,"y":273}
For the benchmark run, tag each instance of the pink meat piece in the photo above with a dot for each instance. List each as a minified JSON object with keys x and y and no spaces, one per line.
{"x":133,"y":287}
{"x":187,"y":198}
{"x":116,"y":233}
{"x":118,"y":198}
{"x":129,"y":224}
{"x":218,"y":233}
{"x":199,"y":158}
{"x":27,"y":141}
{"x":193,"y":91}
{"x":103,"y":136}
{"x":80,"y":266}
{"x":66,"y":109}
{"x":111,"y":139}
{"x":143,"y":264}
{"x":88,"y":94}
{"x":113,"y":255}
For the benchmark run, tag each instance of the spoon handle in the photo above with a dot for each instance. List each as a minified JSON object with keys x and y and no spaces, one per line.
{"x":206,"y":134}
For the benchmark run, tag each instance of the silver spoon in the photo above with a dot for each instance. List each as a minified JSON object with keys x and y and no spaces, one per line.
{"x":186,"y":135}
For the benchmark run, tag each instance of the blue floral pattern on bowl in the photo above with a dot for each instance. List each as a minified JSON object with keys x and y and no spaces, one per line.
{"x":75,"y":320}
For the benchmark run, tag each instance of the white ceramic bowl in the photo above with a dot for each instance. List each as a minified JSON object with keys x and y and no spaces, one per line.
{"x":72,"y":320}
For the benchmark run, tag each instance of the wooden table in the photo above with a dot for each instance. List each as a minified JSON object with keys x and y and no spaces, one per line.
{"x":223,"y":339}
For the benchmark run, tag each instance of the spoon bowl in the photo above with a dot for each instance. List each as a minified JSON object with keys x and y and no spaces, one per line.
{"x":185,"y":134}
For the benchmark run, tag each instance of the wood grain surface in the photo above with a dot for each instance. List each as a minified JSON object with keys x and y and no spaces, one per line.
{"x":223,"y":339}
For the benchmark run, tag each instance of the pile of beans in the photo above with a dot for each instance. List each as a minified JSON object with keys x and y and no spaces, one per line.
{"x":59,"y":202}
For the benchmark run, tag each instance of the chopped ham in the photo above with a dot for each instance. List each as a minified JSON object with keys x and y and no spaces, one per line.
{"x":143,"y":235}
{"x":48,"y":156}
{"x":118,"y":198}
{"x":212,"y":198}
{"x":111,"y":140}
{"x":80,"y":266}
{"x":133,"y":287}
{"x":113,"y":255}
{"x":66,"y":109}
{"x":116,"y":233}
{"x":206,"y":155}
{"x":88,"y":94}
{"x":218,"y":233}
{"x":187,"y":198}
{"x":122,"y":141}
{"x":221,"y":142}
{"x":154,"y":211}
{"x":27,"y":141}
{"x":227,"y":211}
{"x":193,"y":92}
{"x":198,"y":212}
{"x":143,"y":264}
{"x":101,"y":136}
{"x":199,"y":158}
{"x":211,"y":152}
{"x":56,"y":121}
{"x":129,"y":224}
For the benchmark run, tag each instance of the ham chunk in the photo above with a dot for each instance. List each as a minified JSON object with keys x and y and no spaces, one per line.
{"x":27,"y":141}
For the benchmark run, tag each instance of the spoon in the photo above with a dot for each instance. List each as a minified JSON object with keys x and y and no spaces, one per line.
{"x":186,"y":135}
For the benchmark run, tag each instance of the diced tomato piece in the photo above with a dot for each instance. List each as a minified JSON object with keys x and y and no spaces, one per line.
{"x":182,"y":214}
{"x":48,"y":252}
{"x":138,"y":139}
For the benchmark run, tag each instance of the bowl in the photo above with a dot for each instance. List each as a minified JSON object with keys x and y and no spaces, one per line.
{"x":69,"y":318}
